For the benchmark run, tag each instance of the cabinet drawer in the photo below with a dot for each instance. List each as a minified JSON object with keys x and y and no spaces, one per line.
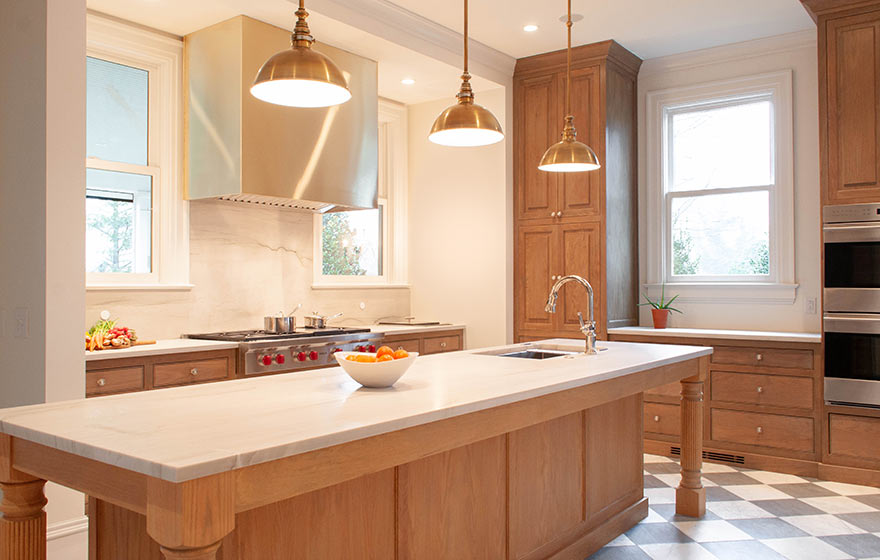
{"x":854,"y":436}
{"x":663,"y":419}
{"x":763,"y":357}
{"x":770,"y":390}
{"x":409,"y":344}
{"x":192,"y":371}
{"x":668,"y":390}
{"x":768,"y":430}
{"x":116,"y":380}
{"x":437,"y":344}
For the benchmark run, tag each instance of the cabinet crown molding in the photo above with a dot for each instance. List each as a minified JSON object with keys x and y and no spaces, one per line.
{"x":584,"y":55}
{"x":819,"y":8}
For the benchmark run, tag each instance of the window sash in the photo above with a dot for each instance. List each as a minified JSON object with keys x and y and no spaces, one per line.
{"x":335,"y":279}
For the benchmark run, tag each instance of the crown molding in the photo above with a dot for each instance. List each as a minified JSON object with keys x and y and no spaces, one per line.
{"x":733,"y":52}
{"x":818,"y":8}
{"x":408,"y":29}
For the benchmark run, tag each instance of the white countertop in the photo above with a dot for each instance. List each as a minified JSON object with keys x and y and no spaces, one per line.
{"x":414,"y":329}
{"x":184,"y":433}
{"x":763,"y":336}
{"x":171,"y":346}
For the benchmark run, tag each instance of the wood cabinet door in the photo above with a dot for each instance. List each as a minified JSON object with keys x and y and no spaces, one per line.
{"x":536,"y":130}
{"x":535,"y":265}
{"x":579,"y":193}
{"x":579,"y":253}
{"x":853,"y":108}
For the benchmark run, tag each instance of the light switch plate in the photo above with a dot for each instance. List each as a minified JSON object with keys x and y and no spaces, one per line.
{"x":810,"y":306}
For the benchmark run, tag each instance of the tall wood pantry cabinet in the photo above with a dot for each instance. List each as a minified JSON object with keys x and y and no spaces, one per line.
{"x":849,"y":99}
{"x":576,"y":223}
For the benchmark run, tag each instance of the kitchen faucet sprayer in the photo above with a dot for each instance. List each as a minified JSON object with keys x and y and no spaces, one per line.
{"x":588,"y":328}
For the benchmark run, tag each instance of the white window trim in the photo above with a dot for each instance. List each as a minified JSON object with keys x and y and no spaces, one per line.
{"x":162,"y":56}
{"x":393,"y":172}
{"x":781,"y":287}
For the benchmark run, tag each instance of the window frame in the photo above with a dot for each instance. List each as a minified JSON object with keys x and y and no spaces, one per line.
{"x":161,"y":56}
{"x":779,"y":286}
{"x":351,"y":280}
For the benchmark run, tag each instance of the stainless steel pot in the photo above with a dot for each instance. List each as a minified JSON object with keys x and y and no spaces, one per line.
{"x":315,"y":321}
{"x":281,"y":324}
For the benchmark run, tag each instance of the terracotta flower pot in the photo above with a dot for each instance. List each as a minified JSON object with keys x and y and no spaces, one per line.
{"x":661,"y":317}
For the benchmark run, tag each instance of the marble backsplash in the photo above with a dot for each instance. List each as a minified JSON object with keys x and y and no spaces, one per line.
{"x":245,"y":262}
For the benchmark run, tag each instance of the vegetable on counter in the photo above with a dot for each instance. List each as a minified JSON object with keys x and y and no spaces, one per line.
{"x":105,"y":335}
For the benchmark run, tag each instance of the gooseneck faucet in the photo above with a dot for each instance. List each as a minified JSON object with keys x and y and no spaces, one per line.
{"x":588,"y":328}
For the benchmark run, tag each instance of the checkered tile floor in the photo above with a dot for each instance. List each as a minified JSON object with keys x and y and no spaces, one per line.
{"x":752,"y":515}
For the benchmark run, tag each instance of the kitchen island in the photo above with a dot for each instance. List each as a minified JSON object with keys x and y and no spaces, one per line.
{"x":469,"y":455}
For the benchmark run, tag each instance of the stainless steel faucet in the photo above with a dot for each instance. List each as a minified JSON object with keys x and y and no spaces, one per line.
{"x":588,"y":328}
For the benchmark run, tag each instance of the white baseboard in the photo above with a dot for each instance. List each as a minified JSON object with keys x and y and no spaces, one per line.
{"x":68,"y":540}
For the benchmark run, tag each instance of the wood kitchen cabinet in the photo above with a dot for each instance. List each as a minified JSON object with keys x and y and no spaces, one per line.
{"x":849,"y":98}
{"x":575,"y":223}
{"x":427,"y":342}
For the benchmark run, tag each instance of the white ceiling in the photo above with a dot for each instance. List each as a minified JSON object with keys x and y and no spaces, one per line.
{"x":649,"y":28}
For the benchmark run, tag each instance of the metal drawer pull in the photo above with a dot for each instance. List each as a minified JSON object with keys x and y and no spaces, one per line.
{"x":759,"y":357}
{"x":552,"y":214}
{"x":760,"y":389}
{"x":194,"y":372}
{"x":760,"y":430}
{"x":443,"y":345}
{"x":656,"y":419}
{"x":102,"y":382}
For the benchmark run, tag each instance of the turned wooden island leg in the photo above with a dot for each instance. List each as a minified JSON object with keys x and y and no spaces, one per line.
{"x":190,"y":519}
{"x":22,"y":513}
{"x":690,"y":496}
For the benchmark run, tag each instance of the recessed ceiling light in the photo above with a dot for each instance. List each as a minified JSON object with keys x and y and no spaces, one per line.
{"x":530,"y":28}
{"x":407,"y":81}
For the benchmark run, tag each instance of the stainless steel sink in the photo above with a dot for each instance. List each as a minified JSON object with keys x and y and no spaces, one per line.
{"x":537,"y":354}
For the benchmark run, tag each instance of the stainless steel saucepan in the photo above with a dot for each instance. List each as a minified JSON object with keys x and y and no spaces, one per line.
{"x":316,"y":321}
{"x":281,"y":323}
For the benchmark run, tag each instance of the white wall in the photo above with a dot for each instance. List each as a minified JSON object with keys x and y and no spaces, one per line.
{"x":460,"y":212}
{"x":42,"y":214}
{"x":796,"y":52}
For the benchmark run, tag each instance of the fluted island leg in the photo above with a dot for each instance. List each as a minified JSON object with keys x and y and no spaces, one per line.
{"x":22,"y":513}
{"x":690,"y":496}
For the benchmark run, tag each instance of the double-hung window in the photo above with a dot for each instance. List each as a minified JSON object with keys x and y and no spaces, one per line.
{"x":720,"y":185}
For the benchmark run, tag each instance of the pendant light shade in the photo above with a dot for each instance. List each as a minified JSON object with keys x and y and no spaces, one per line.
{"x":300,"y":76}
{"x":568,"y":155}
{"x":466,"y":124}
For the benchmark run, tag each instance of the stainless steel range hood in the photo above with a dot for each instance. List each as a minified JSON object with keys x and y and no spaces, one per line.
{"x":243,"y":149}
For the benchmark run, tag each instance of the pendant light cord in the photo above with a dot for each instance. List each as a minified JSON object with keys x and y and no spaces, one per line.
{"x":568,"y":65}
{"x":466,"y":36}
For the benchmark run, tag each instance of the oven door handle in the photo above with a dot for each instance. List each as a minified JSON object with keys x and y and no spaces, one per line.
{"x":851,"y":233}
{"x":852,"y":323}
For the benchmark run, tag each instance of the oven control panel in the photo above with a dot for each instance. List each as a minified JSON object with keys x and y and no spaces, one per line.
{"x":851,"y":213}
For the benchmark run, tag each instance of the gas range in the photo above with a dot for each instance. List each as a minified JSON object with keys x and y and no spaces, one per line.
{"x":261,"y":352}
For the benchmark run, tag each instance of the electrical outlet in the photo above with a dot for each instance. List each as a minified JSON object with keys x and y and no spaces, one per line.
{"x":810,"y":306}
{"x":21,"y":322}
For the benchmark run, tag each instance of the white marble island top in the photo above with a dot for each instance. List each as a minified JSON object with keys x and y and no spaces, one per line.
{"x":184,"y":433}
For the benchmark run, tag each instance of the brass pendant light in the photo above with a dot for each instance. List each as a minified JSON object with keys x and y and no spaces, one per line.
{"x":300,"y":76}
{"x":465,"y":123}
{"x":568,"y":155}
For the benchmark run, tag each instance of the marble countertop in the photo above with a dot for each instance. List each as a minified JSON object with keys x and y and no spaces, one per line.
{"x":170,"y":346}
{"x":763,"y":336}
{"x":183,"y":433}
{"x":414,"y":329}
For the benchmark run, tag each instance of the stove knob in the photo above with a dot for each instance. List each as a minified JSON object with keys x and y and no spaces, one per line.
{"x":372,"y":347}
{"x":279,"y":358}
{"x":360,"y":349}
{"x":335,"y":350}
{"x":313,"y":355}
{"x":301,"y":356}
{"x":266,"y":360}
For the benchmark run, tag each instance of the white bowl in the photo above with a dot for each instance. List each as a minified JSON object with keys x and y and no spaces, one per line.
{"x":375,"y":374}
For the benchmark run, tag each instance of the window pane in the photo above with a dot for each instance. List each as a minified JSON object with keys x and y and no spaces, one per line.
{"x":721,"y":235}
{"x":352,"y":243}
{"x":116,"y":112}
{"x":722,"y":147}
{"x":118,"y":221}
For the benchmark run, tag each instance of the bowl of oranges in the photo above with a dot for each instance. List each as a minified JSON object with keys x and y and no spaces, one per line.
{"x":381,"y":369}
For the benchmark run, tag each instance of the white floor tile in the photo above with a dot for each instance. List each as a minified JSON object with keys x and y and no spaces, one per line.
{"x":848,"y":489}
{"x":653,"y":517}
{"x":753,"y":492}
{"x":622,"y":540}
{"x":657,"y":459}
{"x":673,"y":480}
{"x":737,"y":510}
{"x":823,"y":525}
{"x":660,"y":495}
{"x":711,"y":531}
{"x":677,"y":551}
{"x":838,"y":505}
{"x":716,"y":468}
{"x":775,"y":478}
{"x":806,"y":548}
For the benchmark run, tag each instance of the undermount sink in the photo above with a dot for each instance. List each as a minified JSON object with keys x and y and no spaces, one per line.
{"x":537,"y":354}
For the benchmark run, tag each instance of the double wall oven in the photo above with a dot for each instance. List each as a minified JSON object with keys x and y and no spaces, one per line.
{"x":852,"y":304}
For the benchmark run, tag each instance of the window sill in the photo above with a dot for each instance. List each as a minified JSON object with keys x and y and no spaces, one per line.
{"x":727,"y":292}
{"x":364,"y":286}
{"x":139,"y":287}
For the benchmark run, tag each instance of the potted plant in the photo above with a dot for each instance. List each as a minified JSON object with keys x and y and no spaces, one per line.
{"x":661,"y":308}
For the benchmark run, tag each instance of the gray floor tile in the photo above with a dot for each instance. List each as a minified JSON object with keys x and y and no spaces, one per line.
{"x":769,"y":528}
{"x":654,"y":482}
{"x":657,"y":533}
{"x":663,"y":468}
{"x":719,"y":494}
{"x":742,"y":550}
{"x":872,"y":500}
{"x":859,"y":546}
{"x":785,"y":508}
{"x":868,"y":521}
{"x":620,"y":553}
{"x":731,"y":479}
{"x":804,"y":490}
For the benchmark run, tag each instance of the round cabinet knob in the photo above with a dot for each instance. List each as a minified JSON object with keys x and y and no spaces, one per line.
{"x":102,"y":382}
{"x":266,"y":360}
{"x":552,"y":214}
{"x":656,"y":419}
{"x":301,"y":356}
{"x":553,"y":277}
{"x":313,"y":355}
{"x":559,"y":214}
{"x":194,"y":372}
{"x":443,"y":345}
{"x":760,"y":430}
{"x":280,"y":358}
{"x":759,"y":357}
{"x":760,"y":389}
